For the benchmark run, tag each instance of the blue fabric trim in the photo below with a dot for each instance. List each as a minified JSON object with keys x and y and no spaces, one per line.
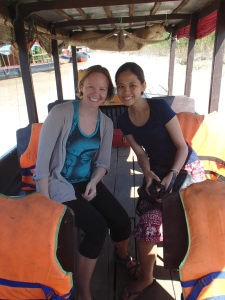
{"x":32,"y":186}
{"x":49,"y":292}
{"x":27,"y":171}
{"x":199,"y":284}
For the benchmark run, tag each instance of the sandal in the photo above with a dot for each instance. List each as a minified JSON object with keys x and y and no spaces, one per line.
{"x":123,"y":262}
{"x":130,"y":293}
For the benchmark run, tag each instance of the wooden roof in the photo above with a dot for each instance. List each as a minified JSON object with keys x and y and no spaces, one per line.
{"x":66,"y":17}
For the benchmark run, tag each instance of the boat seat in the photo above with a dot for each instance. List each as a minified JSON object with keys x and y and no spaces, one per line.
{"x":52,"y":104}
{"x":179,"y":103}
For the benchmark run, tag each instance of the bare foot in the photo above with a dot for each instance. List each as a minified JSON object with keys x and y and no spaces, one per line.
{"x":135,"y":289}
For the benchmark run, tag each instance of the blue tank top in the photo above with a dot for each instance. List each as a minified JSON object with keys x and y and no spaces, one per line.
{"x":80,"y":150}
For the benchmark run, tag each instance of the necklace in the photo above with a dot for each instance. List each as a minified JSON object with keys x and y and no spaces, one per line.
{"x":138,"y":115}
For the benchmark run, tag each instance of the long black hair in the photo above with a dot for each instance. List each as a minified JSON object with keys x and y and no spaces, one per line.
{"x":134,"y":68}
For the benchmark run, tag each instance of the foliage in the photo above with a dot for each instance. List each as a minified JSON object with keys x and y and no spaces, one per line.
{"x":203,"y":48}
{"x":38,"y":55}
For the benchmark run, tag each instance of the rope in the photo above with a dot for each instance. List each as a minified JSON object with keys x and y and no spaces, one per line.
{"x":117,"y":40}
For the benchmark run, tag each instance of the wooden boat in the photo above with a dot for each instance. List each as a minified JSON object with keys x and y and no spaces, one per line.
{"x":180,"y":18}
{"x":82,"y":56}
{"x":10,"y":63}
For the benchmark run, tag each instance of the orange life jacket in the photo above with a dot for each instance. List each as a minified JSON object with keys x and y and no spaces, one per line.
{"x":29,"y":268}
{"x":202,"y":272}
{"x":206,"y":135}
{"x":28,"y":159}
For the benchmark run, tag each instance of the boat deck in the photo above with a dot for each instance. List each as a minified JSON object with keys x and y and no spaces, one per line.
{"x":109,"y":279}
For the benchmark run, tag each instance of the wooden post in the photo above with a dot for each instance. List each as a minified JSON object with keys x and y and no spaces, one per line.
{"x":190,"y":54}
{"x":217,"y":61}
{"x":55,"y":54}
{"x":75,"y":71}
{"x":25,"y":71}
{"x":171,"y":64}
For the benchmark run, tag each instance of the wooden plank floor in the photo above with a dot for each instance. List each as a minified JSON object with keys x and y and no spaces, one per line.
{"x":109,"y":279}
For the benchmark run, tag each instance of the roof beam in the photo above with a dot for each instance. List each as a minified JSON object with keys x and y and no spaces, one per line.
{"x":65,"y":16}
{"x":125,"y":20}
{"x":62,"y":14}
{"x":27,"y":8}
{"x":131,"y":11}
{"x":109,"y":14}
{"x":183,"y":3}
{"x":4,"y":10}
{"x":85,"y":16}
{"x":155,"y":8}
{"x":154,"y":11}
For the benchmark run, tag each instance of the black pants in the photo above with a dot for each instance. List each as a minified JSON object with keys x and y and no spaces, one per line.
{"x":96,"y":216}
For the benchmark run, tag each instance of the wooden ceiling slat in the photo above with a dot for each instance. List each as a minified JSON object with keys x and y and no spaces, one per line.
{"x":109,"y":14}
{"x":155,"y":8}
{"x":27,"y":8}
{"x":131,"y":10}
{"x":125,"y":20}
{"x":108,"y":11}
{"x":85,"y":16}
{"x":63,"y":14}
{"x":66,"y":16}
{"x":154,"y":11}
{"x":82,"y":13}
{"x":182,"y":4}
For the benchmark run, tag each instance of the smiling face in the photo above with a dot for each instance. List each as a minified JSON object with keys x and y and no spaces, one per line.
{"x":95,"y":89}
{"x":129,"y":87}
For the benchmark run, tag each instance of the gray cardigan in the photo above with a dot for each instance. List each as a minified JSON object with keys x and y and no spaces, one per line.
{"x":52,"y":150}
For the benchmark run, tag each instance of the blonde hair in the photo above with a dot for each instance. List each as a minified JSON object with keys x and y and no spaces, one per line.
{"x":96,"y":69}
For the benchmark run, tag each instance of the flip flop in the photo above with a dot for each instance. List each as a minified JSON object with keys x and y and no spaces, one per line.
{"x":123,"y":262}
{"x":131,"y":293}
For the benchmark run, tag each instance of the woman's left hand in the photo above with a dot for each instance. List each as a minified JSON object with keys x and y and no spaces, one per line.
{"x":166,"y":180}
{"x":90,"y":191}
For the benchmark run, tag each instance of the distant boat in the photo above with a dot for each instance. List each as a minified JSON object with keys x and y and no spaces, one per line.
{"x":63,"y":59}
{"x":10,"y":67}
{"x":81,"y":54}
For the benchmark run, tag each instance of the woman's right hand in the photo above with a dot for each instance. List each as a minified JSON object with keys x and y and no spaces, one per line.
{"x":90,"y":191}
{"x":149,"y":177}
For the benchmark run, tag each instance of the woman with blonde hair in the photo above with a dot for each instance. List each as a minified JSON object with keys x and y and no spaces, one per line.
{"x":73,"y":156}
